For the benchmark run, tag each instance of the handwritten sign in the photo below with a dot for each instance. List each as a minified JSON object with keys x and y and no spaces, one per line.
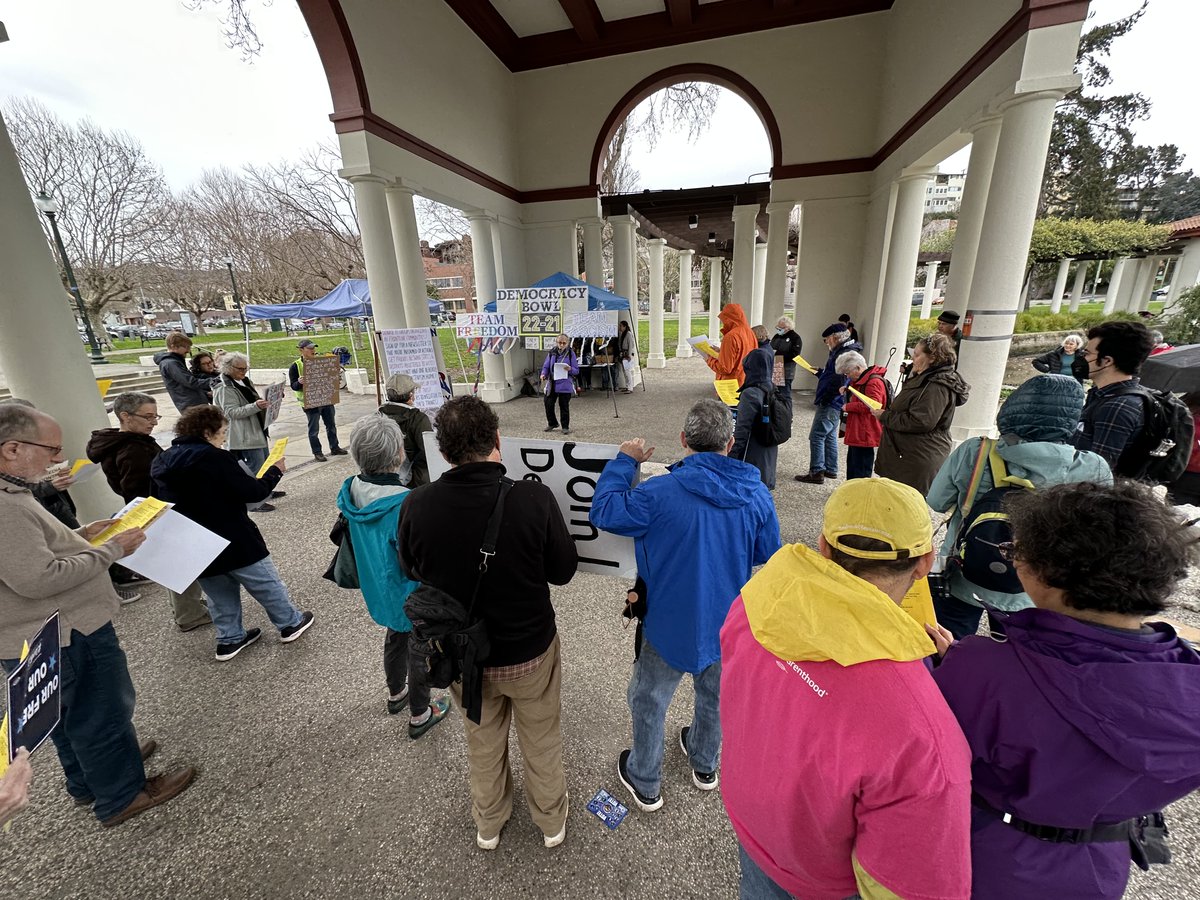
{"x":570,"y":470}
{"x":138,"y":515}
{"x":321,"y":375}
{"x":35,"y":691}
{"x":273,"y":457}
{"x":540,"y":310}
{"x":593,"y":323}
{"x":485,"y":325}
{"x":274,"y":397}
{"x":777,"y":378}
{"x":410,"y":351}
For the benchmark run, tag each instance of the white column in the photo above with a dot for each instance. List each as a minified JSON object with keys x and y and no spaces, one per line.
{"x":379,"y":253}
{"x":1081,"y":270}
{"x":986,"y":136}
{"x":40,"y":352}
{"x":686,"y":259}
{"x":775,"y":271}
{"x":1141,"y":284}
{"x":593,"y":250}
{"x":832,"y":233}
{"x":1060,"y":285}
{"x":714,"y":297}
{"x":483,"y":257}
{"x":656,"y":359}
{"x":1114,"y":285}
{"x":1003,"y":251}
{"x":931,"y":270}
{"x":760,"y":272}
{"x":407,"y":240}
{"x":623,"y":281}
{"x":744,"y":229}
{"x":901,"y":264}
{"x":1133,"y":272}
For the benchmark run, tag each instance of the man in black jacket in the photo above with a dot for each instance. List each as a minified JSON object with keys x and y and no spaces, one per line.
{"x":441,"y":530}
{"x":788,"y":344}
{"x":185,"y":389}
{"x":413,"y":424}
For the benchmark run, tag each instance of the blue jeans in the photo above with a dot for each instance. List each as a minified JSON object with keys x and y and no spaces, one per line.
{"x":261,"y":580}
{"x":755,"y":884}
{"x":650,"y":691}
{"x":860,"y":462}
{"x":822,"y":440}
{"x":96,"y":743}
{"x":315,"y":417}
{"x":253,"y":457}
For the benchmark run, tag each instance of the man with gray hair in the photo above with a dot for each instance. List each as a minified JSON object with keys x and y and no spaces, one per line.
{"x":413,"y":423}
{"x":698,"y":532}
{"x":46,"y":567}
{"x":829,"y":400}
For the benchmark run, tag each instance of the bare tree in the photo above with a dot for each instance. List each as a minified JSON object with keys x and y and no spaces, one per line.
{"x":186,"y":270}
{"x":236,"y":25}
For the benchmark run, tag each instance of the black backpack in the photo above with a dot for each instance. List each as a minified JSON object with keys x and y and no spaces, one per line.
{"x":889,"y":391}
{"x":1159,"y":454}
{"x":774,"y":426}
{"x":986,"y":526}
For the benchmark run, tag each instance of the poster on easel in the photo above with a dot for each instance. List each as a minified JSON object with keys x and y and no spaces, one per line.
{"x":410,"y":351}
{"x":321,"y":376}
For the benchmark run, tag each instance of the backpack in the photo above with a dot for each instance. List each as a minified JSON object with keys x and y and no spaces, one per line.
{"x":1159,"y":454}
{"x":889,"y":391}
{"x":775,"y":425}
{"x":986,"y":526}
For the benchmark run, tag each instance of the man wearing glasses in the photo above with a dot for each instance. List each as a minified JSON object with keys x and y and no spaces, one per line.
{"x":1114,"y":414}
{"x":125,"y":455}
{"x":46,"y":566}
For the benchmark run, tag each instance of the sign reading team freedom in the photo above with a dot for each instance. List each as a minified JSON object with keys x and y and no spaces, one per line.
{"x":485,"y":325}
{"x":35,"y":691}
{"x":570,"y":470}
{"x":540,"y":310}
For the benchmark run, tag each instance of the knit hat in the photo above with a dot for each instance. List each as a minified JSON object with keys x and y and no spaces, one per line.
{"x":949,"y":316}
{"x":835,"y":328}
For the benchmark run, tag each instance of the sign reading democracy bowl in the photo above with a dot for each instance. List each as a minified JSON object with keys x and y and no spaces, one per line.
{"x":540,"y":310}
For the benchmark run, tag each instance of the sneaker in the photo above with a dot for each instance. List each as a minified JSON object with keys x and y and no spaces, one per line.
{"x":395,"y":706}
{"x":338,"y":452}
{"x":320,"y":457}
{"x":645,"y":804}
{"x":263,"y":507}
{"x":287,"y":635}
{"x":812,"y":478}
{"x":566,"y":431}
{"x":275,"y":495}
{"x":127,"y":596}
{"x":438,"y":710}
{"x":156,"y":791}
{"x":553,"y":840}
{"x":229,"y":651}
{"x":486,"y":843}
{"x":706,"y":781}
{"x":550,"y":428}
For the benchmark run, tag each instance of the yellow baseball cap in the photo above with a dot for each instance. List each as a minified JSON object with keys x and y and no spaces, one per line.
{"x":881,"y":509}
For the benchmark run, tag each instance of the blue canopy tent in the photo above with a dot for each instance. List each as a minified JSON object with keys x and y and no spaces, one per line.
{"x":350,"y":299}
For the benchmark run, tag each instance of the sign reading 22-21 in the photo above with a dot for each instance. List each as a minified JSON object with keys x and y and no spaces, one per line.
{"x":35,"y":691}
{"x":540,"y":310}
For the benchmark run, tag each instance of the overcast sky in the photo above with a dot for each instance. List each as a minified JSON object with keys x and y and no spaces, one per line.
{"x":163,"y":73}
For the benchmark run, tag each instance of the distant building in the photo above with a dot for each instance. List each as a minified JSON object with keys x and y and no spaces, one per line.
{"x":944,"y":193}
{"x":449,"y":268}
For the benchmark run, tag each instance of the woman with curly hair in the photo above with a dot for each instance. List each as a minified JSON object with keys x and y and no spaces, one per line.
{"x":1080,"y":715}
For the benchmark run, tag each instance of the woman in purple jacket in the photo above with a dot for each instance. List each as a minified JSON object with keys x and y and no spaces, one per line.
{"x":561,"y":388}
{"x":1081,"y":717}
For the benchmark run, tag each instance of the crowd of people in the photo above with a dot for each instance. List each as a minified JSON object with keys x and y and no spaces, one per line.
{"x":905,"y":758}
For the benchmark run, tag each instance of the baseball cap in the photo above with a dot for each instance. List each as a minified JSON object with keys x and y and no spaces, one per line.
{"x":306,"y":343}
{"x":835,"y":328}
{"x":881,"y":509}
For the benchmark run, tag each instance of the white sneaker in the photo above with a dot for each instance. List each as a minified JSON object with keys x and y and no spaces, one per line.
{"x":128,"y":596}
{"x":555,"y":840}
{"x":483,"y":844}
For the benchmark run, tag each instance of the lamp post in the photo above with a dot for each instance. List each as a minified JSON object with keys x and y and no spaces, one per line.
{"x":237,"y":301}
{"x":49,"y":206}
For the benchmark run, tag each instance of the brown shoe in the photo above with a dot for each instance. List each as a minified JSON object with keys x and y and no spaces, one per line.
{"x":157,"y":790}
{"x":811,"y":478}
{"x":148,"y":748}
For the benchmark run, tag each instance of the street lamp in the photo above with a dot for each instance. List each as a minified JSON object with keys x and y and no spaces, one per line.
{"x":49,"y":206}
{"x":237,"y":301}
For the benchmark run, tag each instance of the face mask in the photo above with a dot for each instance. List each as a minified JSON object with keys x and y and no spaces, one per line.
{"x":780,"y":331}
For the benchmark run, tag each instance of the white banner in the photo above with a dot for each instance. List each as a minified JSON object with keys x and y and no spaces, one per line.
{"x":485,"y":325}
{"x":410,"y":350}
{"x":540,"y":310}
{"x":570,"y":470}
{"x":593,"y":323}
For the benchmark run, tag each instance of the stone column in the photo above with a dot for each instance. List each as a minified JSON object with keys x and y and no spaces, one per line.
{"x":483,"y":257}
{"x":1141,"y":284}
{"x":744,"y":230}
{"x":1003,"y":251}
{"x":379,"y":253}
{"x":1114,"y":285}
{"x":714,"y":297}
{"x":656,"y":359}
{"x":407,"y":241}
{"x":931,"y":270}
{"x":986,"y":136}
{"x":832,"y":235}
{"x":896,"y":309}
{"x":1060,"y":285}
{"x":1081,"y":270}
{"x":775,"y":273}
{"x":686,"y":259}
{"x":760,"y":272}
{"x":40,"y":353}
{"x":593,"y":250}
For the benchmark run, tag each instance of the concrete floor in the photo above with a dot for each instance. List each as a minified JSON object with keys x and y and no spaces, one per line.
{"x":309,"y":789}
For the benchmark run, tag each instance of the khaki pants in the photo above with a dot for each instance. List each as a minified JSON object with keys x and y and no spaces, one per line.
{"x":533,"y":702}
{"x":189,"y":607}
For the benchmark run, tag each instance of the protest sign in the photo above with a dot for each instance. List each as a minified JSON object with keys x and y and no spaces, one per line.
{"x":485,"y":325}
{"x":593,"y":323}
{"x":570,"y":470}
{"x":321,"y":375}
{"x":410,"y":351}
{"x":35,"y":691}
{"x":540,"y":310}
{"x":777,"y":377}
{"x":274,"y":397}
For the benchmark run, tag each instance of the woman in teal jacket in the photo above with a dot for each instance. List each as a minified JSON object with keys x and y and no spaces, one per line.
{"x":371,"y":503}
{"x":1035,"y":423}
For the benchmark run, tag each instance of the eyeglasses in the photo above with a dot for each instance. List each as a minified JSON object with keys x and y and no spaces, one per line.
{"x":1008,"y":551}
{"x":54,"y":451}
{"x":153,"y":417}
{"x":239,"y":368}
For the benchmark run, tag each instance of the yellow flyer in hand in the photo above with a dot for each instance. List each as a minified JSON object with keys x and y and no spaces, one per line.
{"x":870,"y":401}
{"x":805,"y":364}
{"x":701,"y":343}
{"x":918,"y":603}
{"x":140,"y":515}
{"x":79,"y":464}
{"x":727,"y":390}
{"x":275,"y":456}
{"x":104,"y":384}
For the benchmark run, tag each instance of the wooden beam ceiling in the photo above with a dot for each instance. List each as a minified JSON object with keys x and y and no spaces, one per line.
{"x":586,"y":19}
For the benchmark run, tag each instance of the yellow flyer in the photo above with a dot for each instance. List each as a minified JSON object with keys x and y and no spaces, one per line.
{"x":727,"y":390}
{"x":141,"y":515}
{"x":701,"y":343}
{"x":275,"y":456}
{"x":870,"y":401}
{"x":918,"y":603}
{"x":805,"y":364}
{"x":79,"y":464}
{"x":104,"y":384}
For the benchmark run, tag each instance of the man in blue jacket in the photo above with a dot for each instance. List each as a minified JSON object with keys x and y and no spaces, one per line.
{"x":698,"y":531}
{"x":823,"y":433}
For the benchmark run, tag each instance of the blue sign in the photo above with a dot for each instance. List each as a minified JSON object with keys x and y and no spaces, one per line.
{"x":35,"y":692}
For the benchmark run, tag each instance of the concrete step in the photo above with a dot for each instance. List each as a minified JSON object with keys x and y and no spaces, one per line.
{"x":146,"y":382}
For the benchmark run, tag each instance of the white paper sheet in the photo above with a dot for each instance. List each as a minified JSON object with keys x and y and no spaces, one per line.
{"x":176,"y":551}
{"x":561,"y":371}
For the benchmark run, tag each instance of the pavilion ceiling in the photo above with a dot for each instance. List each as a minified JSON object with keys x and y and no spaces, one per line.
{"x":666,"y":214}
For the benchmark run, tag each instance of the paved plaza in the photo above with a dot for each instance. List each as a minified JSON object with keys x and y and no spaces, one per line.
{"x":307,"y":788}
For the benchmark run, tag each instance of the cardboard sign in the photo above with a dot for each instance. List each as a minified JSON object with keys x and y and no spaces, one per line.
{"x":321,"y":376}
{"x":35,"y":691}
{"x":484,"y":325}
{"x":410,"y":351}
{"x":571,"y":471}
{"x":540,"y":310}
{"x":274,"y":397}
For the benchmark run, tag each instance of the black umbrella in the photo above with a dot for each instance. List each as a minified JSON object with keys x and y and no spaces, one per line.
{"x":1176,"y":370}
